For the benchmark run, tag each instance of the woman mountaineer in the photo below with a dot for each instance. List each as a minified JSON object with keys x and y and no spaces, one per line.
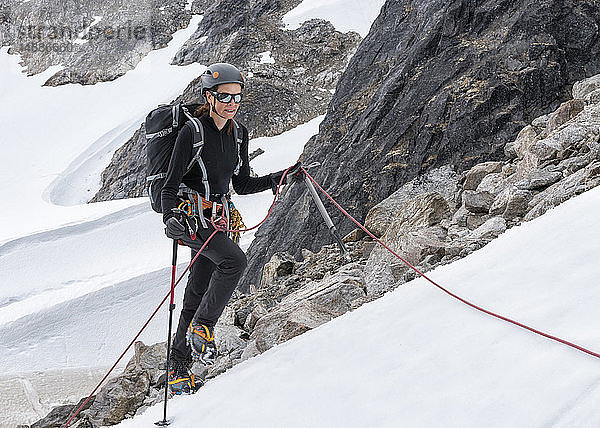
{"x":216,"y":272}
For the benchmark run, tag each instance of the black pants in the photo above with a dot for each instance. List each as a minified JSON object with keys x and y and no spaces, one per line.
{"x":211,"y":282}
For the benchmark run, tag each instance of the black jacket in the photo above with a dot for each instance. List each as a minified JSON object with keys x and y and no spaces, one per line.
{"x":220,"y":157}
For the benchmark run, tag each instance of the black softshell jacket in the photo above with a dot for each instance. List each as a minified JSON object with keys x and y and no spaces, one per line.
{"x":220,"y":157}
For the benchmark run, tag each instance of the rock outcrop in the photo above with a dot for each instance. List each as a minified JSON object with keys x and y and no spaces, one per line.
{"x":434,"y":83}
{"x":96,"y":41}
{"x":552,"y":160}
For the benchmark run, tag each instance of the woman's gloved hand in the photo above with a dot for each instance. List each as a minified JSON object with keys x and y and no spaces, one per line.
{"x":295,"y":172}
{"x":174,"y":228}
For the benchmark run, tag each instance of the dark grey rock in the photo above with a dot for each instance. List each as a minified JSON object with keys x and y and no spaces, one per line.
{"x":281,"y":264}
{"x":454,"y":95}
{"x":59,"y":415}
{"x":277,"y":97}
{"x":118,"y":399}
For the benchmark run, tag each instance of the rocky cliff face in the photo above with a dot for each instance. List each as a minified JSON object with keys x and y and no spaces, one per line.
{"x":290,"y":77}
{"x":96,"y":41}
{"x":434,"y":83}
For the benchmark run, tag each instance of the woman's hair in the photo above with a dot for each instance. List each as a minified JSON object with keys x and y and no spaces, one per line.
{"x":205,"y":108}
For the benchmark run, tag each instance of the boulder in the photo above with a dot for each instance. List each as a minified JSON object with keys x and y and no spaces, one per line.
{"x":148,"y":359}
{"x":477,"y":202}
{"x":258,"y":311}
{"x":593,"y":97}
{"x":442,"y":181}
{"x":119,"y":398}
{"x":478,"y":172}
{"x":228,"y":341}
{"x":489,"y":230}
{"x":280,"y":264}
{"x":492,"y":183}
{"x":287,"y":322}
{"x":573,"y":185}
{"x":540,"y":123}
{"x":539,"y":179}
{"x":60,"y":414}
{"x":525,"y":138}
{"x":250,"y":351}
{"x":563,"y":114}
{"x":315,"y":303}
{"x":511,"y":203}
{"x":584,"y":87}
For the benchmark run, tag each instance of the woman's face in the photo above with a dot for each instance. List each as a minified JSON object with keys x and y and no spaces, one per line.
{"x":229,"y":109}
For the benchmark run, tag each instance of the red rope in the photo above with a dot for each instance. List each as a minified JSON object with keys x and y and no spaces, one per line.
{"x":217,"y":229}
{"x":541,"y":333}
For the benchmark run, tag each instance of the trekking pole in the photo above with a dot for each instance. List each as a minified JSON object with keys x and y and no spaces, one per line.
{"x":326,"y":217}
{"x":165,"y":421}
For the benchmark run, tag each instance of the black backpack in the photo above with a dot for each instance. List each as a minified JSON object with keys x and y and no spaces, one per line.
{"x":162,"y":126}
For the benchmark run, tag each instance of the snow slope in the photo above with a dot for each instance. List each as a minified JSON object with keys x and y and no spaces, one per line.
{"x":46,"y":128}
{"x":418,"y":358}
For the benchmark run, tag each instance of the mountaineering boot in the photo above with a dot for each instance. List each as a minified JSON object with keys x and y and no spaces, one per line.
{"x":201,"y":339}
{"x":181,"y":380}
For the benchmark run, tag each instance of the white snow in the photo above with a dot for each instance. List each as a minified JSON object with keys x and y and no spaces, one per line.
{"x":266,"y":58}
{"x":80,"y":36}
{"x":345,"y":15}
{"x":418,"y":358}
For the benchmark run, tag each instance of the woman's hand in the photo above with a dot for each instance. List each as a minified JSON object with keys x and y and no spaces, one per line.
{"x":174,"y":229}
{"x":295,"y":172}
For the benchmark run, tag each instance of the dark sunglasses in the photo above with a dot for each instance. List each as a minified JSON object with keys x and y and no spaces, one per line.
{"x":225,"y":98}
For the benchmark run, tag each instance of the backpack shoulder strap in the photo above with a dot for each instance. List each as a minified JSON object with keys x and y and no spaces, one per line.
{"x":198,"y":144}
{"x":238,"y":140}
